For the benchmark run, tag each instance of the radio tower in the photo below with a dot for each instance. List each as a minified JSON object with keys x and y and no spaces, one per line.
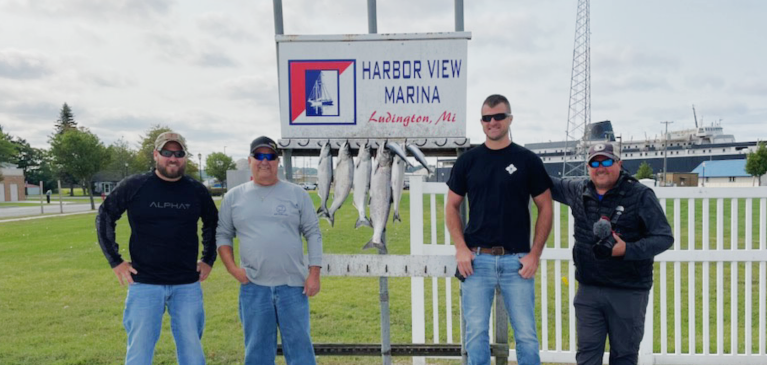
{"x":579,"y":111}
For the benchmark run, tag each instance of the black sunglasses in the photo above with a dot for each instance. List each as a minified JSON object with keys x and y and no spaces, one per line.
{"x":498,"y":117}
{"x":264,"y":156}
{"x":168,"y":153}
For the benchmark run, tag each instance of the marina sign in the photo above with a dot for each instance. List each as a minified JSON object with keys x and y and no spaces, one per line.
{"x":373,"y":85}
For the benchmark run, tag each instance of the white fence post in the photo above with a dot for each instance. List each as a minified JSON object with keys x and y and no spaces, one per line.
{"x":645,"y":348}
{"x":416,"y":248}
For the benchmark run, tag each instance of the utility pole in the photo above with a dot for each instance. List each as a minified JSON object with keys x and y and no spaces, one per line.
{"x":665,"y":149}
{"x":199,"y":156}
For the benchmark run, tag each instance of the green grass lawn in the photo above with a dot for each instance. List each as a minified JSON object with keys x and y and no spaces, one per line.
{"x":61,"y":304}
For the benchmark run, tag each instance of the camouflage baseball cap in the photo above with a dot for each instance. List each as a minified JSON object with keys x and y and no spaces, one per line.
{"x":166,"y":137}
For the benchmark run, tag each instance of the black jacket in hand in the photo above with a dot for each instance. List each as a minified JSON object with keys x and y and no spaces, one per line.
{"x":642,"y":225}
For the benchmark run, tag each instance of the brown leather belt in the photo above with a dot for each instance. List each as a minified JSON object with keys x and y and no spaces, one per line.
{"x":495,"y":251}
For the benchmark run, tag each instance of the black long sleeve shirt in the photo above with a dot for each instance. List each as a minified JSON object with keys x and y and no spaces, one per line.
{"x":163,"y":216}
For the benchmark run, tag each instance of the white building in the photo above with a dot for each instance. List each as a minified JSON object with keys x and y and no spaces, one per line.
{"x":726,"y":173}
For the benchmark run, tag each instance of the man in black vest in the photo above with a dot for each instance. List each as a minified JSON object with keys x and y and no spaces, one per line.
{"x":619,"y":228}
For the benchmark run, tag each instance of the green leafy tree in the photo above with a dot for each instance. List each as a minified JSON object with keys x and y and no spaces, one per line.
{"x":43,"y":171}
{"x":7,"y":149}
{"x":644,"y":171}
{"x":66,"y":120}
{"x":217,"y":164}
{"x":145,"y":157}
{"x":36,"y":164}
{"x":80,"y":153}
{"x":192,"y":169}
{"x":756,"y":162}
{"x":122,"y":159}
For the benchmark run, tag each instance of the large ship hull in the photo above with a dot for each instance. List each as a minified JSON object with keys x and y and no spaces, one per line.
{"x":685,"y":149}
{"x":674,"y":164}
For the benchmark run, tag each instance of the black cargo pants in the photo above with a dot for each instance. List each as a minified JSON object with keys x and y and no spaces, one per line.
{"x":602,"y":312}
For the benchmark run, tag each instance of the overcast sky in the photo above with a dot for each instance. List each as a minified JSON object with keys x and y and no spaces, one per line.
{"x":208,"y":68}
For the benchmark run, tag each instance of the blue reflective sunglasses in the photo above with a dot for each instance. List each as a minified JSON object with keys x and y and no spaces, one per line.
{"x":264,"y":156}
{"x":606,"y":163}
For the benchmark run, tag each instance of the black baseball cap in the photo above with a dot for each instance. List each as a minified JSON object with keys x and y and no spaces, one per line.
{"x":264,"y":141}
{"x":603,"y":149}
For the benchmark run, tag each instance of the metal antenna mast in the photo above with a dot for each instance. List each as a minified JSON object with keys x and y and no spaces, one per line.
{"x":579,"y":111}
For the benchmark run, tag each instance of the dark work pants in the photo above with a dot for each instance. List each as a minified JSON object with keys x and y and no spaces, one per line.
{"x":618,"y":313}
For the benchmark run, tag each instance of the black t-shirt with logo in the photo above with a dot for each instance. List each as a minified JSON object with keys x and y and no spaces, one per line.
{"x":163,"y":217}
{"x":499,"y":184}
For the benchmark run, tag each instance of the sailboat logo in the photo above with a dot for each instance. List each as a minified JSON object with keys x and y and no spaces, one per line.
{"x":322,"y":89}
{"x":322,"y":92}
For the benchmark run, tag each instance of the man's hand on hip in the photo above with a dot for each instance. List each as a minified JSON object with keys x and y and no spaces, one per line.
{"x":464,"y":257}
{"x":239,"y":274}
{"x":123,"y":272}
{"x":203,"y":269}
{"x":529,"y":265}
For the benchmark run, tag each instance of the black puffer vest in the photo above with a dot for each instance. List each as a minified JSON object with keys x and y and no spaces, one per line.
{"x":612,"y":272}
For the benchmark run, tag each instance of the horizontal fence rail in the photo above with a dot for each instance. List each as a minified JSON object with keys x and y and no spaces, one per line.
{"x":707,"y":305}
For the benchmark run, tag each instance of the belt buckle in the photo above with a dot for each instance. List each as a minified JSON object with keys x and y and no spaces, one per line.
{"x":497,"y":251}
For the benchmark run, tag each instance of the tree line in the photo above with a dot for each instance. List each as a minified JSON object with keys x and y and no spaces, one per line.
{"x":76,"y":156}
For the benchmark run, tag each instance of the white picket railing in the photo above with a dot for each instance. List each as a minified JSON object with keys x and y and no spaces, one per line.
{"x":700,"y":255}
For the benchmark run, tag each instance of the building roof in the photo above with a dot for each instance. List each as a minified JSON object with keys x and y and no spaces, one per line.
{"x":722,"y":168}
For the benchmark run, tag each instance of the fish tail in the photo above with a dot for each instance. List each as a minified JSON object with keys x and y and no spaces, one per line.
{"x":371,"y":244}
{"x":322,"y":212}
{"x":363,"y":221}
{"x":396,"y":218}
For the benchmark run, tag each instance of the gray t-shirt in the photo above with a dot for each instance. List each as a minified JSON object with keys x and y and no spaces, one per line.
{"x":269,"y":220}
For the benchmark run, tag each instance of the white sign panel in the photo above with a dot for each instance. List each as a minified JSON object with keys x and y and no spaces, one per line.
{"x":373,"y":86}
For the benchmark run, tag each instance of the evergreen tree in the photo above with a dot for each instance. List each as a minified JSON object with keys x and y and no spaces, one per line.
{"x":644,"y":171}
{"x":66,"y":120}
{"x":756,"y":162}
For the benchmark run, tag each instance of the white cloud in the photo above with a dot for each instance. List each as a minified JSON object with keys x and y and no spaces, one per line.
{"x":169,"y":45}
{"x":753,"y":86}
{"x":620,"y":57}
{"x":19,"y":64}
{"x":142,"y":11}
{"x":253,"y":87}
{"x":221,"y":25}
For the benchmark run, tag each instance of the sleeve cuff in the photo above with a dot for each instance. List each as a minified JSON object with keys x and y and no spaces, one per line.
{"x":220,"y":242}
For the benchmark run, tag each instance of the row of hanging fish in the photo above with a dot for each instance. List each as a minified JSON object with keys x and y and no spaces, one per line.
{"x":378,"y":181}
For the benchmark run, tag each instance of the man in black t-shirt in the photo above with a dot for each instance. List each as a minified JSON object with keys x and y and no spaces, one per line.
{"x":163,"y":207}
{"x":499,"y":178}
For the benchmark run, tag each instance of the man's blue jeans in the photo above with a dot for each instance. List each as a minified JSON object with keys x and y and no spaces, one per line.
{"x":265,"y":308}
{"x":144,"y":308}
{"x":477,"y":294}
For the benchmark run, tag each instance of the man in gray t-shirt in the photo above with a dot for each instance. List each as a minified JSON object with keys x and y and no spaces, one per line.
{"x":269,"y":216}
